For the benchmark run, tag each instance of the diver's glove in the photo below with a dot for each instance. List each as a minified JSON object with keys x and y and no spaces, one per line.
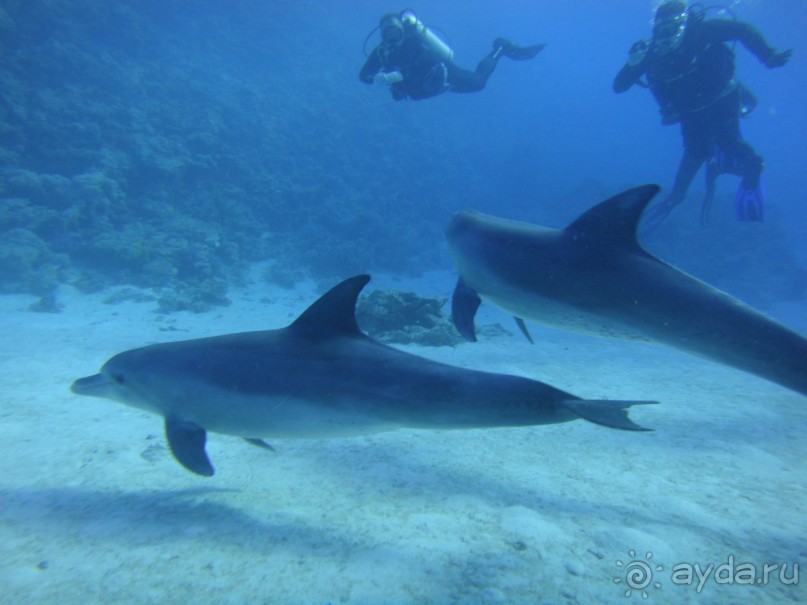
{"x":388,"y":78}
{"x":637,"y":52}
{"x":778,"y":59}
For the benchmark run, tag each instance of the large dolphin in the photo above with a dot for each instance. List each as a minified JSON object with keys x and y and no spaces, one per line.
{"x":594,"y":277}
{"x":321,"y":377}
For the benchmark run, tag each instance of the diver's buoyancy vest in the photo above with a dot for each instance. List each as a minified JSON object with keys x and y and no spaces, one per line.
{"x":694,"y":78}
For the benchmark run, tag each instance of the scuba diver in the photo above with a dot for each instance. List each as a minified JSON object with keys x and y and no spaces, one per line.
{"x":415,"y":63}
{"x":689,"y":69}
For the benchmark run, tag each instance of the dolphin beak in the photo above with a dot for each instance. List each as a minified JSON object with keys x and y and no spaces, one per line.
{"x":96,"y":385}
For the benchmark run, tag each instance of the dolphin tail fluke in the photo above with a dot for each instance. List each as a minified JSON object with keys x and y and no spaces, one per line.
{"x":607,"y":412}
{"x":187,"y":443}
{"x":464,"y":303}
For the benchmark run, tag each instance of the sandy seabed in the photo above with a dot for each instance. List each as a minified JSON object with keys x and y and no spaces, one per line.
{"x":94,"y":509}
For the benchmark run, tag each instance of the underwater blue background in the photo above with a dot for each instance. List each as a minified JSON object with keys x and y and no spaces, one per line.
{"x":171,"y":144}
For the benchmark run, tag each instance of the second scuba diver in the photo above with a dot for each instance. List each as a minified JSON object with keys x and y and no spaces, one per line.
{"x":690,"y":71}
{"x":416,"y":64}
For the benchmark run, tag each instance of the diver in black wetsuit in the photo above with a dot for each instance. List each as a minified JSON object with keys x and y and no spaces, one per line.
{"x":690,"y":71}
{"x":415,"y":63}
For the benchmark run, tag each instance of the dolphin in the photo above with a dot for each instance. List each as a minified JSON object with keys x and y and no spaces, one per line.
{"x":594,"y":277}
{"x":321,"y":377}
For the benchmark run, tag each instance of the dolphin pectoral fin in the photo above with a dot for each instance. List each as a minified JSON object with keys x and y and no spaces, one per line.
{"x":464,"y":303}
{"x":523,"y":327}
{"x":607,"y":412}
{"x":260,"y":443}
{"x":187,"y":443}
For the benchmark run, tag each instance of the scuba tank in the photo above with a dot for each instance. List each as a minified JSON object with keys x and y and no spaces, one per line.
{"x":414,"y":26}
{"x":432,"y":41}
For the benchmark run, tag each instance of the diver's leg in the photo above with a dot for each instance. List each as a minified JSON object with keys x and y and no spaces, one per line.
{"x":697,"y":133}
{"x":749,"y":203}
{"x":744,"y":161}
{"x":687,"y":169}
{"x":462,"y":80}
{"x":697,"y":144}
{"x":714,"y":168}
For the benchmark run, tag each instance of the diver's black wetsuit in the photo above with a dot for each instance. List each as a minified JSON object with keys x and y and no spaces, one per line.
{"x":425,"y":72}
{"x":695,"y":84}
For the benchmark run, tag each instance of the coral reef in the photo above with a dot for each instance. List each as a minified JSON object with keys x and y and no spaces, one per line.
{"x":27,"y":264}
{"x":170,"y":148}
{"x":406,"y":318}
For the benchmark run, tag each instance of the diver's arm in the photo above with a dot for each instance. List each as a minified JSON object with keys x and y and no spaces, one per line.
{"x":371,"y":67}
{"x":633,"y":69}
{"x":627,"y":77}
{"x":722,"y":30}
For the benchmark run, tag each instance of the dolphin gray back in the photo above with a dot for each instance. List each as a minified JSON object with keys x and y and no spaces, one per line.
{"x":594,"y":277}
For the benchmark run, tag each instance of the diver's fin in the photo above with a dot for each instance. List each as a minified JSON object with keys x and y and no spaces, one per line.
{"x":749,"y":204}
{"x":187,"y":443}
{"x":464,"y":303}
{"x":523,"y":53}
{"x":260,"y":443}
{"x":523,"y":327}
{"x":607,"y":412}
{"x":503,"y":46}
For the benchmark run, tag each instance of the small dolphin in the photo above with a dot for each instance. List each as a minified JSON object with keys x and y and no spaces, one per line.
{"x":594,"y":277}
{"x":321,"y":377}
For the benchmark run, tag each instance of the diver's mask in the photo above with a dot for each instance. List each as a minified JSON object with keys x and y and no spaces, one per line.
{"x":392,"y":31}
{"x":668,"y":33}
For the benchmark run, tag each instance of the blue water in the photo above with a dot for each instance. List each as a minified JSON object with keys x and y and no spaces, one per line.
{"x":175,"y":145}
{"x":172,"y":145}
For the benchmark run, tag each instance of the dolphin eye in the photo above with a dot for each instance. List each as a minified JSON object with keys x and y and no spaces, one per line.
{"x":118,"y":379}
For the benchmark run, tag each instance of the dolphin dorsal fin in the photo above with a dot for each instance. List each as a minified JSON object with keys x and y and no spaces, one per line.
{"x":333,"y":313}
{"x":615,"y":220}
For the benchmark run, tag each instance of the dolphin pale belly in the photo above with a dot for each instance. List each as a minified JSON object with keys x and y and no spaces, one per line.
{"x":594,"y":277}
{"x":321,"y":377}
